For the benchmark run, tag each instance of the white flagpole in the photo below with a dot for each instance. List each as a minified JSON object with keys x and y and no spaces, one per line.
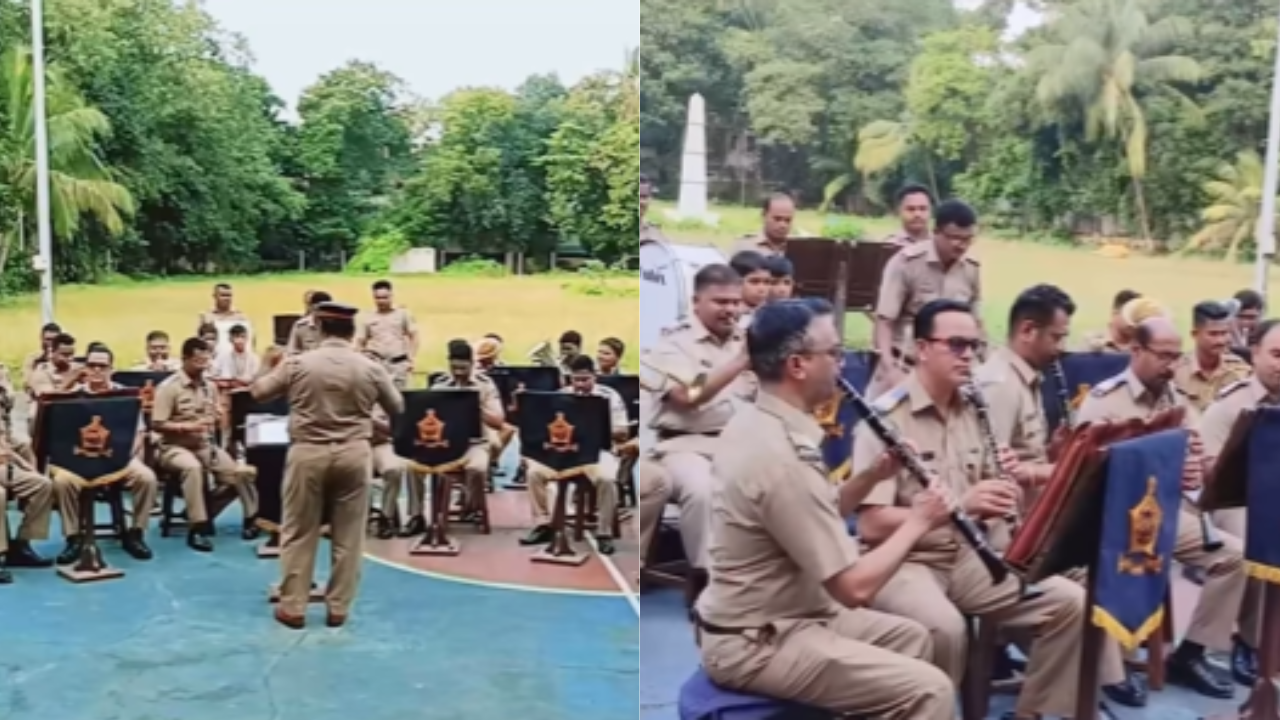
{"x":1266,"y":238}
{"x":44,"y":261}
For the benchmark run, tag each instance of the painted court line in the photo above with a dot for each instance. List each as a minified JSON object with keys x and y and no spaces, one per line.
{"x":623,"y":586}
{"x":505,"y":586}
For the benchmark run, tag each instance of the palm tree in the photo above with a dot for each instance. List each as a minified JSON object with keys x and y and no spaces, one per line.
{"x":1105,"y":50}
{"x":1236,"y":194}
{"x":882,"y":145}
{"x":79,"y":184}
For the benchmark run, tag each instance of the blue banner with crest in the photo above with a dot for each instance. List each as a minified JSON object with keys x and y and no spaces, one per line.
{"x":1082,"y":370}
{"x":1142,"y":499}
{"x":1262,"y":543}
{"x":838,"y":418}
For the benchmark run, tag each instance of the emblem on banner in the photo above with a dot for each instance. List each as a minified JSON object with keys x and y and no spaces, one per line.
{"x":560,"y":435}
{"x":1144,"y":529}
{"x":826,"y":415}
{"x":1082,"y":392}
{"x":148,"y":396}
{"x":431,"y":431}
{"x":94,"y":440}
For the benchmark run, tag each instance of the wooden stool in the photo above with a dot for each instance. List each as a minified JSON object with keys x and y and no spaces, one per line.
{"x":1157,"y":647}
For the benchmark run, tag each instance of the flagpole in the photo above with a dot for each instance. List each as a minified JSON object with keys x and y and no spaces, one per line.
{"x":44,"y":261}
{"x":1266,"y":238}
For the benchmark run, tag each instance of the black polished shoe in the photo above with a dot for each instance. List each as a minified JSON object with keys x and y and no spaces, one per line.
{"x":540,"y":535}
{"x":198,"y":538}
{"x":6,"y":577}
{"x":1193,"y":671}
{"x":136,"y":546}
{"x":1006,"y":666}
{"x":22,"y":555}
{"x":71,"y":553}
{"x":1244,"y":663}
{"x":1132,"y":692}
{"x":251,"y":531}
{"x":387,"y":529}
{"x":417,"y":525}
{"x":604,"y":546}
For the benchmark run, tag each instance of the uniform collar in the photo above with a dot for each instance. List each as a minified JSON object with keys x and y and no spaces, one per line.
{"x":919,"y":398}
{"x":793,"y":419}
{"x":1136,"y":387}
{"x":1193,"y":361}
{"x":703,"y":335}
{"x":1257,"y":391}
{"x":334,"y":342}
{"x":1020,"y":366}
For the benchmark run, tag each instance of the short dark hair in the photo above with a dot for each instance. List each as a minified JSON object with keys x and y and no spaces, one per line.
{"x":1039,"y":304}
{"x":617,"y":346}
{"x":460,"y":350}
{"x":779,"y":266}
{"x":1124,"y":297}
{"x":494,"y":336}
{"x":778,"y":331}
{"x":194,"y":345}
{"x":1262,"y":330}
{"x":571,"y":337}
{"x":100,"y":347}
{"x":207,"y":328}
{"x":926,"y":320}
{"x":238,"y":330}
{"x":956,"y":213}
{"x":1250,"y":299}
{"x":768,"y":200}
{"x":155,"y":335}
{"x":1208,"y":311}
{"x":63,"y":339}
{"x":746,"y":262}
{"x":382,"y":285}
{"x":50,"y":328}
{"x":221,"y":286}
{"x":715,"y":275}
{"x":582,"y":363}
{"x":320,"y":296}
{"x":910,"y":189}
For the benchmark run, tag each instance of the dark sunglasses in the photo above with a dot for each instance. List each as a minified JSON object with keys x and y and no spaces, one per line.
{"x":958,"y":345}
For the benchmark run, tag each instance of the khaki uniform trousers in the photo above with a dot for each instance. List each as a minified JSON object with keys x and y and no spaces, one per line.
{"x":653,"y":490}
{"x":860,"y":661}
{"x":190,"y":466}
{"x":140,"y":482}
{"x":474,"y":474}
{"x":1226,"y":585}
{"x":324,"y":481}
{"x":939,"y":596}
{"x":399,"y":374}
{"x":687,"y":461}
{"x":33,"y":489}
{"x":395,"y":474}
{"x":605,"y":479}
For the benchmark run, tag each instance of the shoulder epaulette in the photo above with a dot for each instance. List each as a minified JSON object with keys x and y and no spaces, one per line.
{"x":914,"y":250}
{"x":1233,"y":387}
{"x":890,"y":399}
{"x":1105,"y":387}
{"x":972,"y":260}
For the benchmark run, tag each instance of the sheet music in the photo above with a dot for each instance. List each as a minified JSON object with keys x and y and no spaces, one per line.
{"x":266,"y":430}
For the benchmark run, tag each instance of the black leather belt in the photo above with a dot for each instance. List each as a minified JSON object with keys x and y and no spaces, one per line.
{"x":766,"y":632}
{"x":399,"y":359}
{"x":671,"y":434}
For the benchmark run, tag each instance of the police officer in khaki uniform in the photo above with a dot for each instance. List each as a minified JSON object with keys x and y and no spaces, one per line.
{"x":391,"y":332}
{"x":305,"y":334}
{"x":395,"y":473}
{"x":653,"y":491}
{"x":186,"y":412}
{"x":943,"y":580}
{"x":1119,"y":331}
{"x":688,"y":420}
{"x":20,"y":482}
{"x":920,"y":272}
{"x":48,"y":333}
{"x":475,"y":474}
{"x":1010,"y":381}
{"x":330,"y":460}
{"x":55,"y":374}
{"x":1215,"y":427}
{"x":1139,"y":392}
{"x":914,"y":203}
{"x":223,"y":309}
{"x":778,"y":212}
{"x":1210,"y":366}
{"x":158,"y":359}
{"x":785,"y":614}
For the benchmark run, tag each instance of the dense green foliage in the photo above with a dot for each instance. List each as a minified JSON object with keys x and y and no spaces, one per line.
{"x":1138,"y":118}
{"x":169,"y":155}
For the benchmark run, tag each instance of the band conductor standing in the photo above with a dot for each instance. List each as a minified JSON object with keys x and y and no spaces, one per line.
{"x":332,"y":392}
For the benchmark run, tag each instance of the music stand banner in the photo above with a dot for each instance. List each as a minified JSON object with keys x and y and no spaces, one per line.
{"x":146,"y":381}
{"x":512,"y":379}
{"x":89,"y":439}
{"x":563,"y":431}
{"x":838,"y":418}
{"x":1262,"y":544}
{"x":437,"y":428}
{"x":1082,"y":370}
{"x":1142,"y":499}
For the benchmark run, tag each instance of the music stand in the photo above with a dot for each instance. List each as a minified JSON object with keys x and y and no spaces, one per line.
{"x":260,"y":428}
{"x":282,"y":327}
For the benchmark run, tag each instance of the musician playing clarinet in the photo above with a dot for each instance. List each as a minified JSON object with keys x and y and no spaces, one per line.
{"x":943,"y":579}
{"x":1010,"y":380}
{"x":785,"y":614}
{"x":1141,"y":391}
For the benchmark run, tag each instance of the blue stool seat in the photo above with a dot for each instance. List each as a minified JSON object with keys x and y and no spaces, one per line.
{"x":701,"y":699}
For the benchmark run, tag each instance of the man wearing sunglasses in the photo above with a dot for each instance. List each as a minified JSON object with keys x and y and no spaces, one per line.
{"x":943,"y":580}
{"x":1141,"y":391}
{"x":94,"y":376}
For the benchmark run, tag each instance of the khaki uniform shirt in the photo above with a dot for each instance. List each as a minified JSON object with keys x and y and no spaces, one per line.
{"x":758,"y":243}
{"x":689,"y":350}
{"x":47,"y":379}
{"x":32,"y":361}
{"x":1124,"y":397}
{"x":332,"y":393}
{"x":1102,"y":341}
{"x":1218,"y":419}
{"x":180,"y":399}
{"x":1012,"y":391}
{"x":915,"y":276}
{"x":1201,"y":386}
{"x":776,"y":530}
{"x":388,"y":334}
{"x":951,"y":447}
{"x":902,"y":239}
{"x":490,"y":397}
{"x":213,"y":317}
{"x":304,"y":336}
{"x":166,"y":365}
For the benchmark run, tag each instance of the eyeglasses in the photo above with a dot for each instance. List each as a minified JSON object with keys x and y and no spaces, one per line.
{"x":1167,"y":356}
{"x":960,"y":345}
{"x":96,"y":366}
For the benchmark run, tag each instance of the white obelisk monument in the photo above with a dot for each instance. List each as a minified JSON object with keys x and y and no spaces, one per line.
{"x":692,"y":204}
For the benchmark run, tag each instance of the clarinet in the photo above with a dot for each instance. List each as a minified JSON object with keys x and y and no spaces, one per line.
{"x":971,"y":393}
{"x":1210,"y":538}
{"x":888,"y":435}
{"x":1064,"y":394}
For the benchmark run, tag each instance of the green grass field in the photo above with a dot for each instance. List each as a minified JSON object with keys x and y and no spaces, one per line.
{"x":523,"y":310}
{"x":1009,"y":267}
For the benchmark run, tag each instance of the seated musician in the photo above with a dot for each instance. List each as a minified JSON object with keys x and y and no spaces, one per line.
{"x":786,"y":613}
{"x":1210,"y":366}
{"x":239,"y":364}
{"x":1119,"y":331}
{"x":609,"y":356}
{"x":305,"y":334}
{"x":48,"y":334}
{"x":1248,"y":314}
{"x":653,"y":492}
{"x":395,"y":474}
{"x":489,"y":352}
{"x":943,"y":579}
{"x":95,"y":377}
{"x":570,"y":345}
{"x":158,"y":359}
{"x":462,"y":374}
{"x":223,"y":309}
{"x":1142,"y":390}
{"x":1039,"y":323}
{"x":186,"y":413}
{"x":582,"y":381}
{"x":61,"y":366}
{"x":20,"y":482}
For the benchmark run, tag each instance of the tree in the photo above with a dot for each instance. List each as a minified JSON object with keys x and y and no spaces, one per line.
{"x":1237,"y":206}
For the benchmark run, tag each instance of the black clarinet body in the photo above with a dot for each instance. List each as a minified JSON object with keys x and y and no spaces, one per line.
{"x":1210,"y":538}
{"x":911,"y":462}
{"x":1063,"y":393}
{"x":974,"y":396}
